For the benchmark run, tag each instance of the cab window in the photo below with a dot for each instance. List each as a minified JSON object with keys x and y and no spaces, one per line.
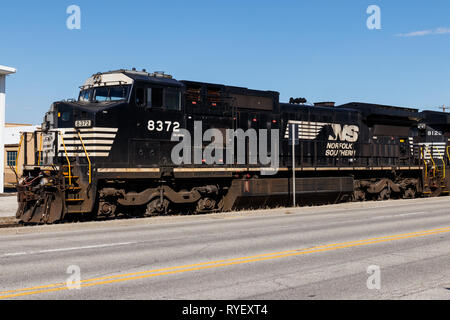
{"x":172,"y":99}
{"x":101,"y":94}
{"x":84,"y":95}
{"x":156,"y":98}
{"x":140,"y":97}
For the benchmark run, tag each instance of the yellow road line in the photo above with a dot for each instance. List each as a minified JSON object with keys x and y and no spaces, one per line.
{"x":218,"y":263}
{"x":224,"y":260}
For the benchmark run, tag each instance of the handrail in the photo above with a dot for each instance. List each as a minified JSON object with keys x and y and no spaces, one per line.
{"x":87,"y":156}
{"x":40,"y":149}
{"x":442,"y":158}
{"x":67,"y":157}
{"x":18,"y":151}
{"x":432,"y":160}
{"x":448,"y":154}
{"x":424,"y":162}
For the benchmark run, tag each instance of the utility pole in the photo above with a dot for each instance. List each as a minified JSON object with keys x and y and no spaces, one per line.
{"x":293,"y":172}
{"x":293,"y":140}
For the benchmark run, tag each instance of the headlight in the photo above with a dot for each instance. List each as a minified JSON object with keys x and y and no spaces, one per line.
{"x":44,"y":181}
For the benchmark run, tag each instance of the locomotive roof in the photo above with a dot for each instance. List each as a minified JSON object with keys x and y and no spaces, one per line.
{"x":124,"y":76}
{"x":372,"y":108}
{"x":291,"y":107}
{"x":233,"y":89}
{"x":436,"y":117}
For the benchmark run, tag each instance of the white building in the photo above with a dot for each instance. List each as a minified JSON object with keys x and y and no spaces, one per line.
{"x":4,"y":71}
{"x":13,"y":131}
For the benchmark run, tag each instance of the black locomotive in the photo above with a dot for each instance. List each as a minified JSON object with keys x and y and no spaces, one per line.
{"x":141,"y":144}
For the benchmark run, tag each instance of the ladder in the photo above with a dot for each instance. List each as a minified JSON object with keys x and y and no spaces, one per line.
{"x":73,"y":181}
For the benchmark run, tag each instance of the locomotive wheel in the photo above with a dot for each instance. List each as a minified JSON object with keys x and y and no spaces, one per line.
{"x":359,"y":195}
{"x":410,"y":193}
{"x":385,"y":194}
{"x":156,"y":207}
{"x":205,"y":205}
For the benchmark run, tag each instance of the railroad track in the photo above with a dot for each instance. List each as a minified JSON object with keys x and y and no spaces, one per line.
{"x":9,"y":223}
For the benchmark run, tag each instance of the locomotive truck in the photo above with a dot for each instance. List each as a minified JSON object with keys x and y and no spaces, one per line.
{"x":111,"y":152}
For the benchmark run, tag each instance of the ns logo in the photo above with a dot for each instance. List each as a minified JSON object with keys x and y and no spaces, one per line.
{"x":347,"y":133}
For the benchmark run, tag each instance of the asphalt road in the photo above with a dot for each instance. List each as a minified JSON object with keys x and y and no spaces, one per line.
{"x":303,"y":253}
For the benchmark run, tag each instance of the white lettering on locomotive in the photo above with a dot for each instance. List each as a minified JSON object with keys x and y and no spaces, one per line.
{"x":160,"y":125}
{"x":347,"y":134}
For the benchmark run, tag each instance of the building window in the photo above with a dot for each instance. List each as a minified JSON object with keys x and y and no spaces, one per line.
{"x":11,"y":158}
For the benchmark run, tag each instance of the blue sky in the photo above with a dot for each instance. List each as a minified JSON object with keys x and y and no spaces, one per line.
{"x":318,"y":49}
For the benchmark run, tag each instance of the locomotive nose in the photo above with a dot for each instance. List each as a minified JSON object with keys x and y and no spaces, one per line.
{"x":50,"y":118}
{"x":70,"y":115}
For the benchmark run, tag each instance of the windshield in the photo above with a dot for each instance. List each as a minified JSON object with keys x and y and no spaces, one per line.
{"x":109,"y":93}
